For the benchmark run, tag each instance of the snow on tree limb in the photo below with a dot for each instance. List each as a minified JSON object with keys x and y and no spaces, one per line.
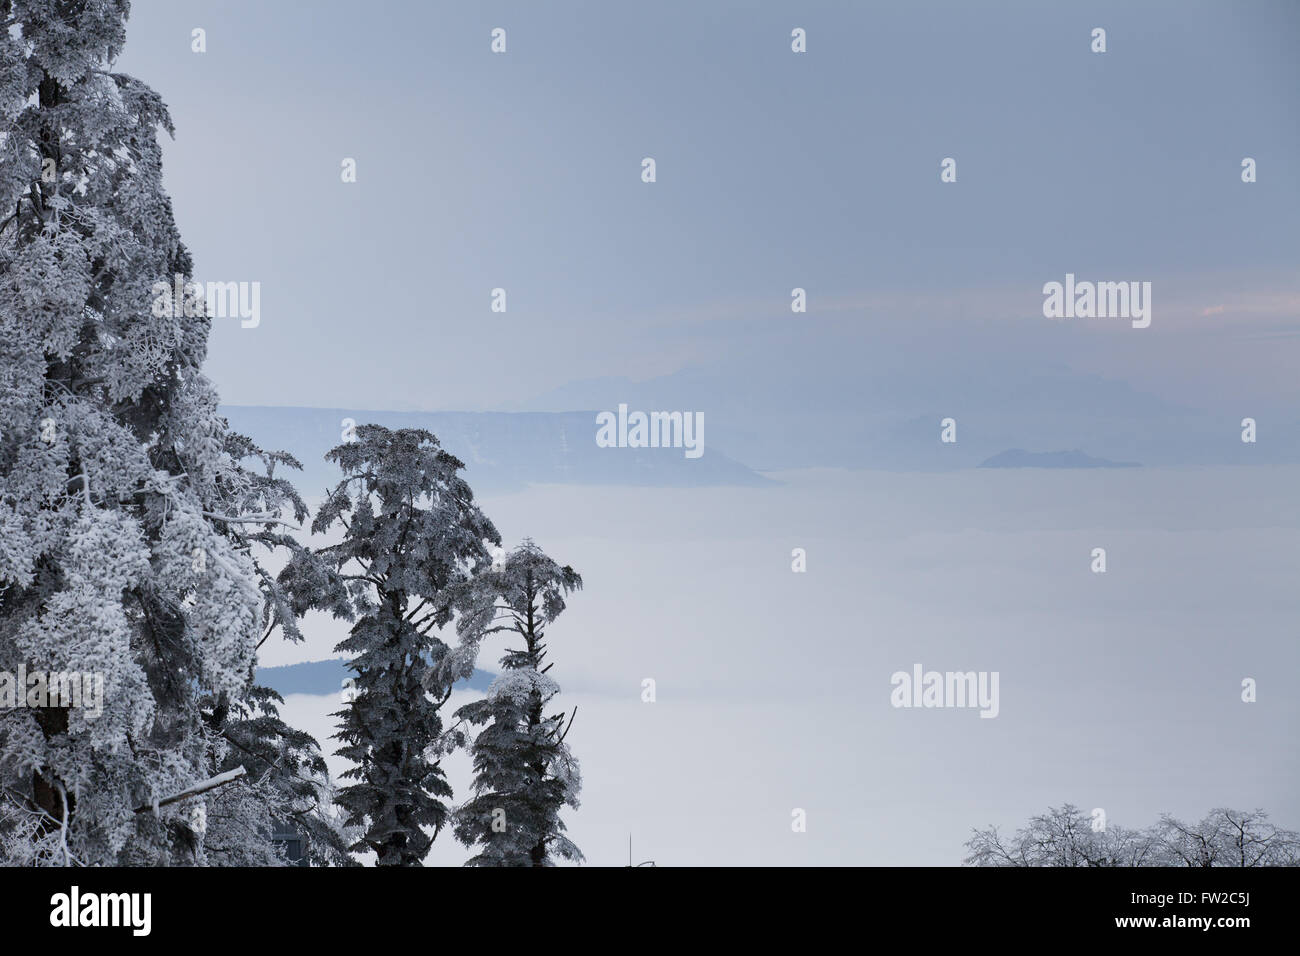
{"x":220,"y":780}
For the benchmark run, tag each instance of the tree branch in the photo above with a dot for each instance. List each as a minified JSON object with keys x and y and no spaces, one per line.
{"x":220,"y":780}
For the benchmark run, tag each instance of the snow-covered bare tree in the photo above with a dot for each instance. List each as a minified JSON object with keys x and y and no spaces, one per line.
{"x":126,"y":513}
{"x":1227,"y":838}
{"x":524,"y":772}
{"x":1062,"y":836}
{"x":413,"y":542}
{"x":1065,"y":836}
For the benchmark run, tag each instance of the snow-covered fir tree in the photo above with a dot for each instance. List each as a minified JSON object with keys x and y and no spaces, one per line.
{"x":524,"y":772}
{"x":413,"y":544}
{"x":127,"y":518}
{"x":293,"y":782}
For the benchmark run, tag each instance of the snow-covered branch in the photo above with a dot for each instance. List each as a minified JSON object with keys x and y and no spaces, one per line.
{"x":220,"y":780}
{"x":250,"y":519}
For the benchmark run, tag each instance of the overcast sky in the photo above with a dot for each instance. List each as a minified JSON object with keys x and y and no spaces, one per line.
{"x":775,"y":170}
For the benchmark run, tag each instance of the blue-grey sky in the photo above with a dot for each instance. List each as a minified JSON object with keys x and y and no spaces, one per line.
{"x":775,"y":170}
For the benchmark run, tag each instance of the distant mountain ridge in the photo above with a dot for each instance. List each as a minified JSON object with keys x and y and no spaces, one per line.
{"x":848,"y":408}
{"x":327,"y":677}
{"x":1019,"y":458}
{"x":506,"y":451}
{"x":502,"y":451}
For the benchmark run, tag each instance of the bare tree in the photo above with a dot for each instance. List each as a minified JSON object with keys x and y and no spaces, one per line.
{"x":1227,"y":838}
{"x":1065,"y":836}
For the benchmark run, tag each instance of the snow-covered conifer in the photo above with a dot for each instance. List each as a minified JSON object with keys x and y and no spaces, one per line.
{"x":524,"y":772}
{"x":413,"y":544}
{"x":127,"y":518}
